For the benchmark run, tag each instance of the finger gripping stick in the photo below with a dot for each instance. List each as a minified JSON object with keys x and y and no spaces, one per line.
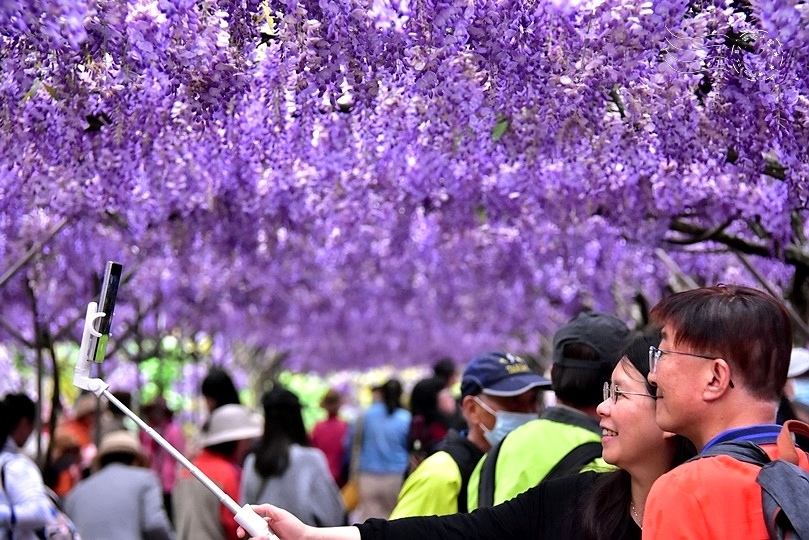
{"x":254,"y":524}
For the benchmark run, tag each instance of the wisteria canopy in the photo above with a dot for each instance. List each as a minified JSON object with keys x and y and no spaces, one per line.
{"x":360,"y":182}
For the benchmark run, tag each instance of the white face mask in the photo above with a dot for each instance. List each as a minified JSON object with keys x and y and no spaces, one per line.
{"x":801,"y":389}
{"x":504,"y":423}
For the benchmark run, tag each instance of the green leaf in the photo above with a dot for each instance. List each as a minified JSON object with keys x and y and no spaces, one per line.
{"x":499,"y":129}
{"x":50,"y":90}
{"x":31,"y":91}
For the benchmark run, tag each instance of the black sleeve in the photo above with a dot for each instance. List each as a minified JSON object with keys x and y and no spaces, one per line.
{"x":540,"y":512}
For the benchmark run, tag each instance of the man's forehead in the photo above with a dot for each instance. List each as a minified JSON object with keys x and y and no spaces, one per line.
{"x":505,"y":400}
{"x":668,"y":333}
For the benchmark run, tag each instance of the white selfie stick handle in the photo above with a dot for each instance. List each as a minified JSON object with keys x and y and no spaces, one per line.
{"x":254,"y":524}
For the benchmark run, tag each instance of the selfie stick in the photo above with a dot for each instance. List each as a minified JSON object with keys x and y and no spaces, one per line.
{"x":244,"y":515}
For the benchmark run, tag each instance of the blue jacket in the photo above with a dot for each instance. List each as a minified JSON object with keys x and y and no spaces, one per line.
{"x":384,"y":440}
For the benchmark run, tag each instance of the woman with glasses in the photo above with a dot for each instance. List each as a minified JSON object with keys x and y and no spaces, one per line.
{"x":588,"y":505}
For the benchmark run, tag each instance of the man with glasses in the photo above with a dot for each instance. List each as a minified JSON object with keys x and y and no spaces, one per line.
{"x":719,"y":371}
{"x":567,"y":437}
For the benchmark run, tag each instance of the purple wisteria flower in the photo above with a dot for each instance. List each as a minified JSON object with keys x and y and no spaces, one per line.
{"x":345,"y":184}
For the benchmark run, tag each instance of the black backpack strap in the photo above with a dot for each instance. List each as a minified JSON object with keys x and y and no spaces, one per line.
{"x":577,"y":458}
{"x":745,"y":451}
{"x":466,"y":455}
{"x":486,"y":485}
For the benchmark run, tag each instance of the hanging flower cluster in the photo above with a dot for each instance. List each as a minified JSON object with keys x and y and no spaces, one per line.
{"x":366,"y":181}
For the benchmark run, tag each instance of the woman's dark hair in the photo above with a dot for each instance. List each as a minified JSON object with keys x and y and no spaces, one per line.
{"x":606,"y":512}
{"x":19,"y":406}
{"x":5,"y":423}
{"x":424,"y":399}
{"x":283,"y":427}
{"x":444,"y":369}
{"x":392,"y":395}
{"x":218,"y":386}
{"x":225,"y":449}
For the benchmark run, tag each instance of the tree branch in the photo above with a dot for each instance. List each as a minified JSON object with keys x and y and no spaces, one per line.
{"x":33,"y":250}
{"x":707,"y":234}
{"x":799,"y":323}
{"x":13,"y":332}
{"x":686,"y":281}
{"x":793,"y":254}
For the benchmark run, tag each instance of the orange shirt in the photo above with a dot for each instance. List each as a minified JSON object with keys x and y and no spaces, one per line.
{"x":710,"y":498}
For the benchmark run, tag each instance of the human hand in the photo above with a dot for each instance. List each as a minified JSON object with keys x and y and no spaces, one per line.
{"x":281,"y":522}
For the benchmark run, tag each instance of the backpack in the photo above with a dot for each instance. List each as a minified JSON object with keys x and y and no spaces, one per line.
{"x":59,"y":526}
{"x":784,"y":485}
{"x":466,"y":455}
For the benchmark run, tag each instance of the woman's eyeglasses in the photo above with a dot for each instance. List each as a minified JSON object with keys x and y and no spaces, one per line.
{"x":611,"y":393}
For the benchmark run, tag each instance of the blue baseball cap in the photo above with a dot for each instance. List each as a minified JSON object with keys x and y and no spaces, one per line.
{"x":500,"y":374}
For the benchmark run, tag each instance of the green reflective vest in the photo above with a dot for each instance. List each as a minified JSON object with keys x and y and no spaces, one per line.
{"x":529,"y":452}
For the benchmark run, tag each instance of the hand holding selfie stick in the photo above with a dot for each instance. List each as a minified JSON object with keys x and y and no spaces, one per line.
{"x":93,"y":348}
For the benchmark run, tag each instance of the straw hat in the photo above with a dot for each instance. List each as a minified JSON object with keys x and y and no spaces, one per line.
{"x":121,"y":442}
{"x":63,"y":442}
{"x":231,"y":423}
{"x":85,"y":405}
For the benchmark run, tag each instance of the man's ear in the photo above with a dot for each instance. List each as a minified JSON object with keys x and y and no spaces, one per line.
{"x":720,"y":381}
{"x":668,"y":434}
{"x":470,"y":410}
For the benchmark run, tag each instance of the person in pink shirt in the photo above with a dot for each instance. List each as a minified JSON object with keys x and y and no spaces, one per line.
{"x":329,"y":434}
{"x":158,"y":415}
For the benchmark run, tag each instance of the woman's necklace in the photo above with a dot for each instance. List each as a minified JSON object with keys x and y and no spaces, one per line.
{"x":635,"y":515}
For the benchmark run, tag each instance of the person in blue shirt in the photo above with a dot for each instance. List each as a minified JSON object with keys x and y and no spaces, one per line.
{"x":383,"y":457}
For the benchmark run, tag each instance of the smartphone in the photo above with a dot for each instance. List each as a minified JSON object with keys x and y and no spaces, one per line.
{"x":106,"y":304}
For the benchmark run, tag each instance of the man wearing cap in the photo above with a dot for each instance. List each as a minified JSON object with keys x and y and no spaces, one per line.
{"x":566,"y":438}
{"x":198,"y":514}
{"x":498,"y":392}
{"x":122,"y":500}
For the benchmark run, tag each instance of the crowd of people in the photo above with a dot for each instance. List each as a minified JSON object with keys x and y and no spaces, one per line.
{"x":614,"y":455}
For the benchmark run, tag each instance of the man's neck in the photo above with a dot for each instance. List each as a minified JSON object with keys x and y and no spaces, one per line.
{"x":589,"y":411}
{"x":734,"y":414}
{"x":476,"y":437}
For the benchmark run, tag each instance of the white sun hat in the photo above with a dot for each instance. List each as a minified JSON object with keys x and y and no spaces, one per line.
{"x":231,"y":423}
{"x":798,"y":362}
